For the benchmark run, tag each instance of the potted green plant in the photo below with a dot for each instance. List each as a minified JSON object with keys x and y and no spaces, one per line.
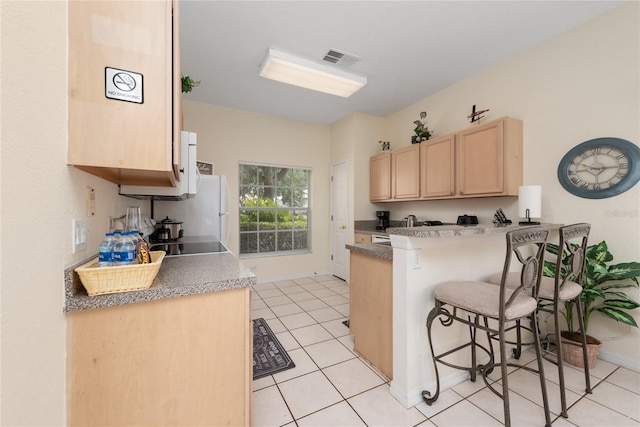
{"x":422,"y":132}
{"x":602,"y":291}
{"x":188,"y":84}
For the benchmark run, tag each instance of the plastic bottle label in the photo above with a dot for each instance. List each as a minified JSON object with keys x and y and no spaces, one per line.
{"x":106,"y":257}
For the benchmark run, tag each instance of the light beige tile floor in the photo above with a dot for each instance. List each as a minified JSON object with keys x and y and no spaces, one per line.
{"x":331,"y":386}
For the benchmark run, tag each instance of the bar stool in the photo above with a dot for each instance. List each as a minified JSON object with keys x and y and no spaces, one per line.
{"x":473,"y":303}
{"x":565,"y":287}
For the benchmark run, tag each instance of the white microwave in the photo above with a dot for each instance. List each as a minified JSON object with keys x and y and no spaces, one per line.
{"x":187,"y":186}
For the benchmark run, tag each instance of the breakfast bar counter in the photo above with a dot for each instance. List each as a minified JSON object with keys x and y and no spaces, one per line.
{"x":423,"y":258}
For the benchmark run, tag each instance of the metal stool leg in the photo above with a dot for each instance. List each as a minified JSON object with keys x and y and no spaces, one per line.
{"x":585,"y":358}
{"x":563,"y":397}
{"x":543,"y":383}
{"x":426,"y":395}
{"x":505,"y":378}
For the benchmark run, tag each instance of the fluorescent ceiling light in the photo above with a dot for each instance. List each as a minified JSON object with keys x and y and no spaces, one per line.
{"x":286,"y":68}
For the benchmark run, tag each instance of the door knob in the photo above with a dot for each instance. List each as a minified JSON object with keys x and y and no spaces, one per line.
{"x":343,"y":227}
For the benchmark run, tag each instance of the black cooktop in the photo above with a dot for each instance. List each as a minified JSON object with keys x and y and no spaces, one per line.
{"x":189,"y":248}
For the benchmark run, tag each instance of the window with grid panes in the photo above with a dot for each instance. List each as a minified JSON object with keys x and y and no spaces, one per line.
{"x":274,"y":210}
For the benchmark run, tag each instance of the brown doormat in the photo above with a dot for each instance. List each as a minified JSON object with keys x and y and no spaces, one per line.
{"x":269,"y":357}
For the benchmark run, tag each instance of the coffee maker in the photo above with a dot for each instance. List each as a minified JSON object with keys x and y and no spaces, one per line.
{"x":383,"y":220}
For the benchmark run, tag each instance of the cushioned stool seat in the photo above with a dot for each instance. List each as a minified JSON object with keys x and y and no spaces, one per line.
{"x":569,"y":291}
{"x":480,"y":298}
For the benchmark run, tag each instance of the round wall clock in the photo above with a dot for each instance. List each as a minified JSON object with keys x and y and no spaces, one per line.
{"x":600,"y":168}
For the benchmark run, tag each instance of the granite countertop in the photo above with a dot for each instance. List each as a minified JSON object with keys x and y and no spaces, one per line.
{"x":379,"y":250}
{"x":385,"y":251}
{"x":372,"y":232}
{"x":460,"y":230}
{"x":369,"y":227}
{"x":178,"y":276}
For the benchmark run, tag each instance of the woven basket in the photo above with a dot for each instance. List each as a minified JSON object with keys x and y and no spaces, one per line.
{"x":572,"y":353}
{"x":122,"y":278}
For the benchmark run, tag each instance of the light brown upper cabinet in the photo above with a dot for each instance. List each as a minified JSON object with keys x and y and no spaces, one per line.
{"x":380,"y":177}
{"x":405,"y":172}
{"x":125,"y":91}
{"x":489,"y":161}
{"x":437,"y":167}
{"x":483,"y":160}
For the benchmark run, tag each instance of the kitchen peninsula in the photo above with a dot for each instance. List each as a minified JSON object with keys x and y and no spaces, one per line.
{"x":178,"y":353}
{"x":424,"y":257}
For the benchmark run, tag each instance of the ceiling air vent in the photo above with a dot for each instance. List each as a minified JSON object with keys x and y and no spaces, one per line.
{"x":342,"y":59}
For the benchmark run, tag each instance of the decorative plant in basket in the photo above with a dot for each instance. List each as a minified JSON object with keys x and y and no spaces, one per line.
{"x":422,"y":132}
{"x":602,"y":285}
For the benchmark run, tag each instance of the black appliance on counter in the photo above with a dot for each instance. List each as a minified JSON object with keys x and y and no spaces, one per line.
{"x":383,"y":220}
{"x":467,"y":220}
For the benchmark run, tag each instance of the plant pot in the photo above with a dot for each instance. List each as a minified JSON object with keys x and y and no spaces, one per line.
{"x":572,"y":349}
{"x":418,"y":139}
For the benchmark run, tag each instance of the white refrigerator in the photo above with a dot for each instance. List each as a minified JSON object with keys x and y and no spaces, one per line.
{"x":206,"y":214}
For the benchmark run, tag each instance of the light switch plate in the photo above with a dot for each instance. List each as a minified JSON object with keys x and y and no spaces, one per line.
{"x":78,"y":235}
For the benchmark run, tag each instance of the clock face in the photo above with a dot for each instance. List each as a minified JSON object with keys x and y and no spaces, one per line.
{"x":599,"y":168}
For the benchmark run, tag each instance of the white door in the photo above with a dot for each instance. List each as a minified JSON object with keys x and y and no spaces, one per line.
{"x":339,"y":220}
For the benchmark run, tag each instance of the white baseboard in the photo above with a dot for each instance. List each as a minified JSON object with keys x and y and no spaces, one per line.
{"x":616,"y":359}
{"x":414,"y":396}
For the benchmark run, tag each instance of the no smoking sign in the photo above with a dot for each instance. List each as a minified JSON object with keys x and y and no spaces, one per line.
{"x":123,"y":85}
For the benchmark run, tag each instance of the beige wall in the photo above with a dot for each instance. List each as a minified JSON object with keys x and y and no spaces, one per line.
{"x":581,"y":85}
{"x":227,"y":137}
{"x":354,"y":139}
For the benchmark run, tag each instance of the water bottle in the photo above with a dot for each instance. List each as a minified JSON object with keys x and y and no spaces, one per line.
{"x":105,"y":253}
{"x":126,"y":250}
{"x":136,"y":238}
{"x":117,"y":242}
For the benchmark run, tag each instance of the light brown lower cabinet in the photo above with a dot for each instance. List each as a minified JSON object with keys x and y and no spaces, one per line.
{"x":176,"y":361}
{"x":370,"y":310}
{"x":362,"y":238}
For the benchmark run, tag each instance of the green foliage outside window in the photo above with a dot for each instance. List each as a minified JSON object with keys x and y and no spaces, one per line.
{"x":274,"y":209}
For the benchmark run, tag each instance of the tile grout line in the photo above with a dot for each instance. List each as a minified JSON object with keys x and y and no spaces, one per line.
{"x":333,"y":337}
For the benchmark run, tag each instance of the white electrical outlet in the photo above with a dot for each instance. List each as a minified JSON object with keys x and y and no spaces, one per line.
{"x":78,"y":235}
{"x":417,"y":258}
